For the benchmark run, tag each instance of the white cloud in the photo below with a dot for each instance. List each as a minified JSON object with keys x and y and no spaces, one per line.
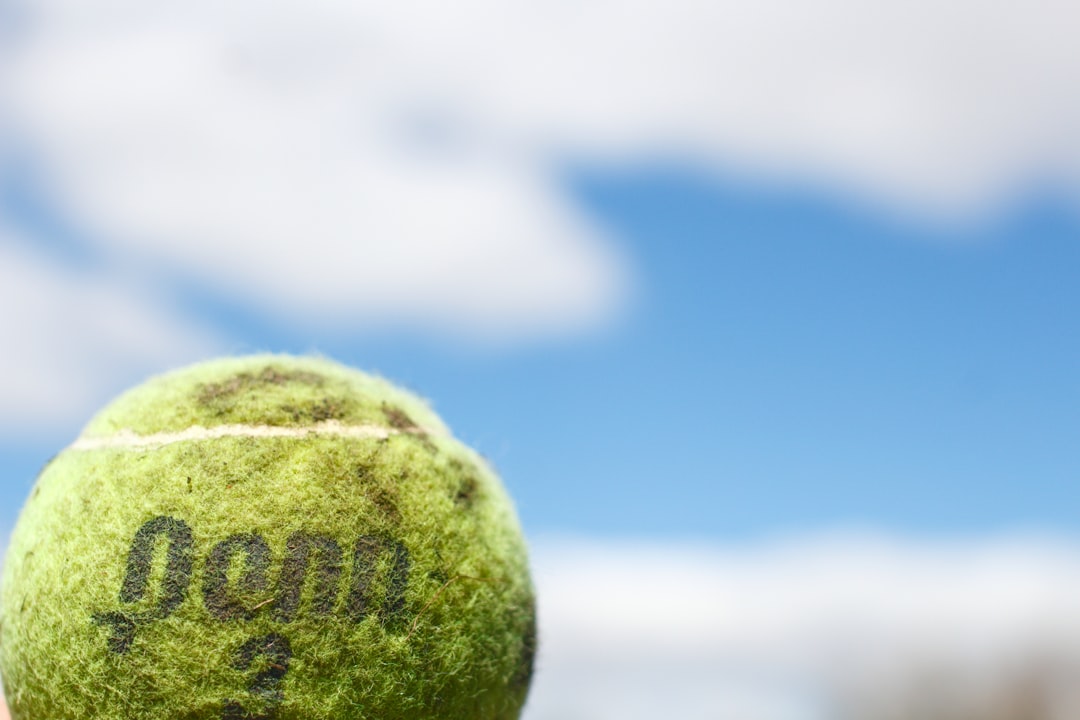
{"x":804,"y":630}
{"x":391,"y":161}
{"x":69,"y":338}
{"x":268,"y":152}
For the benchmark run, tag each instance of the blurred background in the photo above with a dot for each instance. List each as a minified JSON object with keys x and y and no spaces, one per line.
{"x":766,"y":310}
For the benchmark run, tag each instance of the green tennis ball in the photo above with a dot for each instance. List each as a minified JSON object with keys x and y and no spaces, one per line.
{"x":267,"y":537}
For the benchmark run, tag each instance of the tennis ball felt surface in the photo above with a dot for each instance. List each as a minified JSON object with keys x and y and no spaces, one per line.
{"x":267,"y":537}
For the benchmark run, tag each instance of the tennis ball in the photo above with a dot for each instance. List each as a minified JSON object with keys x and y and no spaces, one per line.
{"x":267,"y":537}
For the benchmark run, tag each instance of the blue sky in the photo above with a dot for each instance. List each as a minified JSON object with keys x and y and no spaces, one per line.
{"x":789,"y":362}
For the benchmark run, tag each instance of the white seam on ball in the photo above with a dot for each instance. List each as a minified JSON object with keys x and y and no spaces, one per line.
{"x":128,"y":439}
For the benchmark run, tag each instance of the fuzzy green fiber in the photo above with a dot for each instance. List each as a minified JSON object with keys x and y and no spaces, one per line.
{"x":267,"y":537}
